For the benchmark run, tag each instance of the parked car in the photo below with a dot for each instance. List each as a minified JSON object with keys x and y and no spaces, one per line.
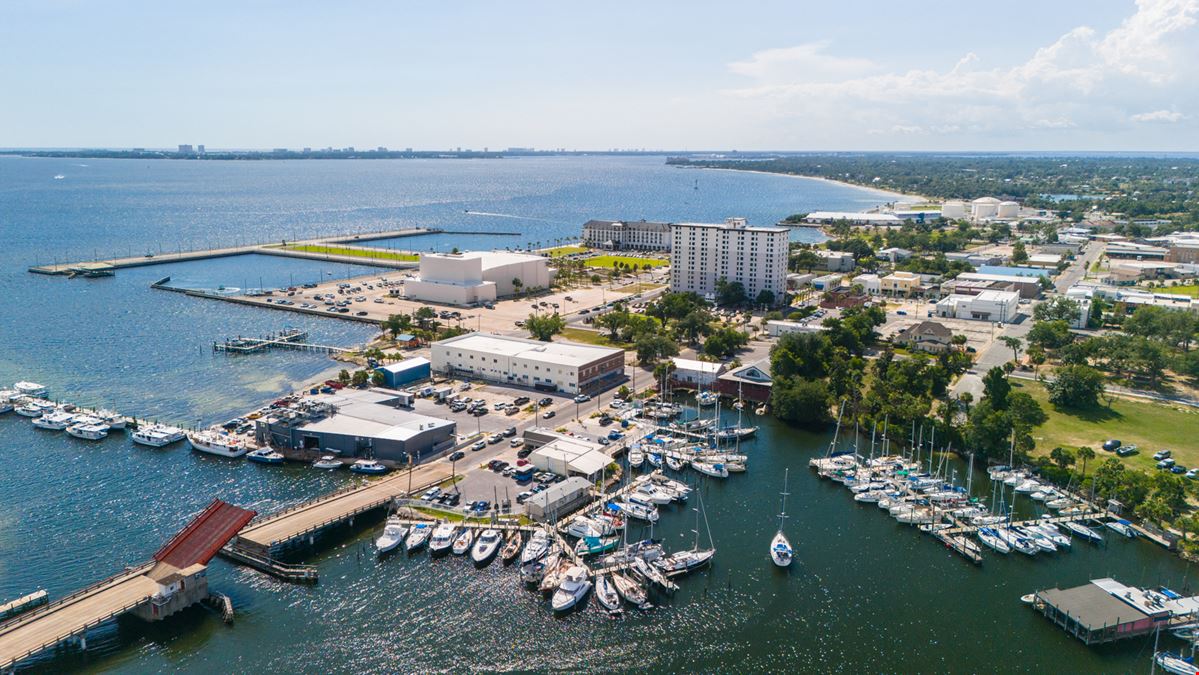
{"x":456,"y":455}
{"x":1126,"y":450}
{"x":1165,"y":463}
{"x":520,"y":400}
{"x":1161,"y":454}
{"x":1178,"y":469}
{"x":479,"y":446}
{"x":548,"y":414}
{"x":480,"y":411}
{"x":545,"y":401}
{"x":1111,"y":445}
{"x":431,"y":494}
{"x":1193,"y":474}
{"x":524,"y":496}
{"x":510,"y":432}
{"x":524,"y":452}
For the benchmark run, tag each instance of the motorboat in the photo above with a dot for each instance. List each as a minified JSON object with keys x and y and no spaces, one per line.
{"x":1059,"y":503}
{"x":682,"y":562}
{"x":418,"y":536}
{"x":674,"y":462}
{"x":638,"y":511}
{"x":654,"y":458}
{"x":463,"y":542}
{"x":30,"y":388}
{"x":29,"y":409}
{"x":633,"y":592}
{"x":1083,"y":531}
{"x":735,"y":467}
{"x":606,"y":593}
{"x":265,"y":456}
{"x":574,"y":588}
{"x":112,"y":419}
{"x":714,"y":469}
{"x":6,"y":405}
{"x":1015,"y":478}
{"x":511,"y":548}
{"x":991,"y":538}
{"x":595,"y":545}
{"x":582,"y":526}
{"x":1028,"y":487}
{"x":780,"y":548}
{"x":442,"y":538}
{"x":55,"y":421}
{"x":680,"y":489}
{"x":327,"y":462}
{"x":219,"y":444}
{"x":1121,"y":526}
{"x":369,"y":467}
{"x":650,"y":495}
{"x":538,"y":546}
{"x":533,"y":572}
{"x":88,"y":432}
{"x":706,"y":398}
{"x":158,"y":435}
{"x":1039,"y":540}
{"x":393,"y":533}
{"x":486,"y":546}
{"x":636,"y":458}
{"x":1176,"y":663}
{"x":1016,"y":541}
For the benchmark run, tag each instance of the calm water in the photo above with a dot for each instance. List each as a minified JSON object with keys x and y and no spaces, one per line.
{"x":865,"y":594}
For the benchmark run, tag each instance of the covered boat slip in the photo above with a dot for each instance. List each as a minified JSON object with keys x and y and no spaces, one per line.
{"x":1105,"y":610}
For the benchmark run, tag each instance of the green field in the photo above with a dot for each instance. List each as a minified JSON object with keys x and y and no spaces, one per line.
{"x":1189,"y":289}
{"x":376,"y":254}
{"x":565,"y":250}
{"x":590,"y":337}
{"x":607,"y":261}
{"x":1150,"y":426}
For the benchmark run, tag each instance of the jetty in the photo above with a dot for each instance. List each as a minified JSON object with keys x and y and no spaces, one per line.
{"x":290,"y":338}
{"x":174,"y":579}
{"x":105,"y":267}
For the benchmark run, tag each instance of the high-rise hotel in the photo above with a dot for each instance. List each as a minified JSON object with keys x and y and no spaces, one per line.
{"x":705,"y":253}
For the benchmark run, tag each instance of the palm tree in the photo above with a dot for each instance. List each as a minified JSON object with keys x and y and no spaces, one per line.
{"x":1014,"y":343}
{"x":1085,"y":453}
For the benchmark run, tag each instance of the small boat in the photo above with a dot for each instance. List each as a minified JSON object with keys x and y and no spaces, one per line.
{"x":653,"y":575}
{"x":6,"y":405}
{"x":29,"y":409}
{"x":1121,"y":526}
{"x":683,"y":562}
{"x":55,"y":421}
{"x":633,"y":592}
{"x":418,"y":536}
{"x":674,"y":462}
{"x":638,"y":511}
{"x":654,"y":458}
{"x":367,"y":466}
{"x":393,"y":533}
{"x":595,"y":545}
{"x":1083,"y":531}
{"x":112,"y":419}
{"x":327,"y":462}
{"x":533,"y":572}
{"x":1016,"y":541}
{"x":30,"y":388}
{"x":555,"y":574}
{"x":574,"y":587}
{"x":706,"y":398}
{"x":265,"y":456}
{"x":606,"y":593}
{"x":780,"y":548}
{"x":1050,"y":533}
{"x":88,"y":432}
{"x":1029,"y":598}
{"x":735,"y":433}
{"x":1176,"y":663}
{"x":442,"y":538}
{"x":636,"y":458}
{"x":219,"y":444}
{"x":511,"y":548}
{"x":760,"y":410}
{"x":582,"y":526}
{"x":485,"y":547}
{"x":538,"y":546}
{"x":650,"y":495}
{"x":714,"y":469}
{"x":158,"y":435}
{"x":1039,"y":540}
{"x":992,"y":539}
{"x":1059,"y":503}
{"x":463,"y":542}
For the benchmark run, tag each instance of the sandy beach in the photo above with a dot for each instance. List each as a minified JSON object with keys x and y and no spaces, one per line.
{"x":889,"y":195}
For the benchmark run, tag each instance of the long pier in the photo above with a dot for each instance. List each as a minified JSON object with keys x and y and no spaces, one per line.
{"x":273,"y":248}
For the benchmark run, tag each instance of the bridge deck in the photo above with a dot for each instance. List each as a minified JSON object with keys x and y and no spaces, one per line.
{"x":337,"y":506}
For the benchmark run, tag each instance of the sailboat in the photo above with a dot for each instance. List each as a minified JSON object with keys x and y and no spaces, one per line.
{"x":606,"y":593}
{"x":633,"y":592}
{"x":686,"y":561}
{"x":780,"y":549}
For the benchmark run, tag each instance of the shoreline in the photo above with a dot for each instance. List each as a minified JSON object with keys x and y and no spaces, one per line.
{"x":897,"y":196}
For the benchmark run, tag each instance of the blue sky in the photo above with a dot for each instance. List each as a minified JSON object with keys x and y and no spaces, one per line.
{"x":1064,"y":74}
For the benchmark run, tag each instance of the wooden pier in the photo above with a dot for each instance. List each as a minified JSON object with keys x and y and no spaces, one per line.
{"x":288,"y":339}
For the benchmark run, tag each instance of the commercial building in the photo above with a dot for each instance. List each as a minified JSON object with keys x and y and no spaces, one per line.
{"x":853,"y":218}
{"x":986,"y":306}
{"x":618,"y":235}
{"x":775,"y":328}
{"x":559,"y":499}
{"x":1183,"y":253}
{"x":893,"y":254}
{"x":693,"y":374}
{"x":906,"y":284}
{"x":548,"y":366}
{"x":1026,"y":286}
{"x":476,"y":277}
{"x":568,"y":456}
{"x":827,"y":282}
{"x":750,"y":382}
{"x":1134,"y":251}
{"x":403,"y":373}
{"x":355,"y":423}
{"x":871,"y":284}
{"x":836,"y":261}
{"x":1106,"y":610}
{"x":1127,"y":300}
{"x":704,"y":254}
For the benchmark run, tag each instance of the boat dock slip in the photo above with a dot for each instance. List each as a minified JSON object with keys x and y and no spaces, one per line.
{"x":268,"y":248}
{"x":288,"y":339}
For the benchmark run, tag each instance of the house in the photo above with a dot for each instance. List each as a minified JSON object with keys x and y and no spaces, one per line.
{"x":926,"y":336}
{"x":751,"y":382}
{"x":692,"y":374}
{"x":407,"y":341}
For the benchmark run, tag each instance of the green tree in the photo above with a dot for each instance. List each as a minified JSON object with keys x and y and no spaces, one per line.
{"x":652,"y":347}
{"x":765,"y":298}
{"x":1061,"y":457}
{"x":1076,"y":387}
{"x":544,"y":326}
{"x":517,"y":285}
{"x":397,"y":324}
{"x":1085,"y":454}
{"x":377,"y":378}
{"x":723,"y":342}
{"x":697,"y":322}
{"x":1057,"y":308}
{"x":360,"y":378}
{"x":426,"y":318}
{"x":996,"y":388}
{"x":800,"y":401}
{"x":801,"y":354}
{"x":729,"y":293}
{"x":1050,"y":334}
{"x":1014,"y":344}
{"x":1019,"y":253}
{"x":343,"y":376}
{"x":805,"y":259}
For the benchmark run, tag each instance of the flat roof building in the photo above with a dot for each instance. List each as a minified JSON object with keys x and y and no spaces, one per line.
{"x":1105,"y":610}
{"x":1026,"y":286}
{"x":559,"y":499}
{"x":548,"y":366}
{"x":694,"y":374}
{"x":568,"y":456}
{"x":775,"y":327}
{"x":476,"y":277}
{"x":986,"y":306}
{"x":405,"y":372}
{"x":703,"y":254}
{"x":632,"y":235}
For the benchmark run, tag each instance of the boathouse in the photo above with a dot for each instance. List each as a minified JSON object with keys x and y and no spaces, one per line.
{"x":1106,"y":610}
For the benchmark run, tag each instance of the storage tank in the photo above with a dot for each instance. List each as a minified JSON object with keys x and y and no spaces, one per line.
{"x":953,"y":209}
{"x":983,"y":208}
{"x":1008,"y":209}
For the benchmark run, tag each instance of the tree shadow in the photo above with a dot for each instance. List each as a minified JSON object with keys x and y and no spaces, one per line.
{"x":1093,"y":414}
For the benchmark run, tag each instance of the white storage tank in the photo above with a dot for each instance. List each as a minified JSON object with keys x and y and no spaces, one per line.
{"x":953,"y":209}
{"x":1008,"y":209}
{"x":983,"y":208}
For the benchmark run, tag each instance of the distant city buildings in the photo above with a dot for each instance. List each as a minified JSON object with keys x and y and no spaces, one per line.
{"x":703,"y":254}
{"x":185,"y":149}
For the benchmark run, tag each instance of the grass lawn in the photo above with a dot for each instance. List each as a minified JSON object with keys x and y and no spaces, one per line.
{"x":606,"y":261}
{"x":1189,"y":289}
{"x":377,"y":254}
{"x":565,"y":250}
{"x":641,"y":287}
{"x":1150,"y":426}
{"x":591,"y":337}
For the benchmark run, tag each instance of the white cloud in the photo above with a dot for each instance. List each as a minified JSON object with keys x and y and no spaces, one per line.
{"x":1169,"y":116}
{"x":1081,"y":84}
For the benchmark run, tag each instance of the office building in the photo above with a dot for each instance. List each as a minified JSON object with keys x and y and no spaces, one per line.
{"x":548,"y":366}
{"x":703,"y":254}
{"x":986,"y":306}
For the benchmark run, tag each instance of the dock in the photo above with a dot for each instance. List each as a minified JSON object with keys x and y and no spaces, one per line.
{"x":105,"y":267}
{"x":290,"y":338}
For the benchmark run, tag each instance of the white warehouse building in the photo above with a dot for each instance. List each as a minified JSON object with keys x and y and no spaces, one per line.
{"x":548,"y":366}
{"x":476,"y":277}
{"x":986,"y":306}
{"x":703,"y":254}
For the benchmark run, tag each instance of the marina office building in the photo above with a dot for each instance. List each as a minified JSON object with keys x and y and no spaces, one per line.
{"x":704,"y":253}
{"x":549,"y":366}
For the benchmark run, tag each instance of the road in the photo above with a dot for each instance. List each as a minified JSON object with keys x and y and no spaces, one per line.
{"x":1078,"y":269}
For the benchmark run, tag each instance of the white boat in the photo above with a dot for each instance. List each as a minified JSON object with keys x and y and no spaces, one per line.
{"x":112,"y":419}
{"x":418,"y":536}
{"x":1028,"y":487}
{"x":486,"y":546}
{"x":574,"y":588}
{"x":555,"y":575}
{"x":682,"y":562}
{"x":538,"y":546}
{"x":1059,"y":503}
{"x":636,"y":458}
{"x":652,"y":574}
{"x":706,"y":398}
{"x":650,"y":495}
{"x":714,"y":469}
{"x":6,"y":405}
{"x":582,"y":526}
{"x":393,"y":533}
{"x":442,"y":538}
{"x":1121,"y":527}
{"x":367,"y":466}
{"x":780,"y":549}
{"x":674,"y":462}
{"x":1015,"y":478}
{"x":1039,"y":540}
{"x":463,"y":542}
{"x":606,"y":593}
{"x":735,"y":433}
{"x":534,"y":571}
{"x":1176,"y":663}
{"x":1052,"y":534}
{"x":679,"y":489}
{"x":30,"y":388}
{"x":265,"y":456}
{"x":992,"y":539}
{"x":1016,"y":541}
{"x":158,"y":435}
{"x":218,"y":443}
{"x":1083,"y":531}
{"x":55,"y":421}
{"x":633,"y":592}
{"x":325,"y":462}
{"x":88,"y":432}
{"x":638,"y":511}
{"x":29,"y":409}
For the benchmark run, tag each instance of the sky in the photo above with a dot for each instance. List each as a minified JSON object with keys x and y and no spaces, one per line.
{"x":929,"y":75}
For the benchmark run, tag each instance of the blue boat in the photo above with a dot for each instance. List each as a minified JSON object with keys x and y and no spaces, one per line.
{"x":265,"y":456}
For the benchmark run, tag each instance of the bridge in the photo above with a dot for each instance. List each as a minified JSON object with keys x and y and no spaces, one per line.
{"x":174,"y":579}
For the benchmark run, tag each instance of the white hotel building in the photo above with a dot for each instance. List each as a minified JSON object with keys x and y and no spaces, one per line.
{"x":705,"y":253}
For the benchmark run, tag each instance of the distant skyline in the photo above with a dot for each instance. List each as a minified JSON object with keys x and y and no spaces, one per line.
{"x":1069,"y":75}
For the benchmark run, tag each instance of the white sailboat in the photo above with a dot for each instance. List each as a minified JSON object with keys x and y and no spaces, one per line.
{"x":606,"y":593}
{"x":780,"y":548}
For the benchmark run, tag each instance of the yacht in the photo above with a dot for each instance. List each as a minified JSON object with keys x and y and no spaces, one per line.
{"x":574,"y":587}
{"x":636,"y":458}
{"x":486,"y":546}
{"x":442,"y":538}
{"x":735,"y":433}
{"x":29,"y":409}
{"x":582,"y":526}
{"x":393,"y":533}
{"x":265,"y":456}
{"x":780,"y":549}
{"x":418,"y":536}
{"x":534,"y":571}
{"x":55,"y":421}
{"x":650,"y":495}
{"x":463,"y":542}
{"x":30,"y":388}
{"x":369,"y":467}
{"x":1083,"y":531}
{"x":538,"y":546}
{"x":992,"y":539}
{"x":219,"y":444}
{"x":1016,"y":541}
{"x":327,"y":462}
{"x":157,"y":435}
{"x":1121,"y":526}
{"x":6,"y":405}
{"x":88,"y":432}
{"x":112,"y":419}
{"x":606,"y":593}
{"x":674,"y":462}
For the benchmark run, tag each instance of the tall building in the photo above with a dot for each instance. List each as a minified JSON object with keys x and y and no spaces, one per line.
{"x":703,"y":254}
{"x":185,"y":149}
